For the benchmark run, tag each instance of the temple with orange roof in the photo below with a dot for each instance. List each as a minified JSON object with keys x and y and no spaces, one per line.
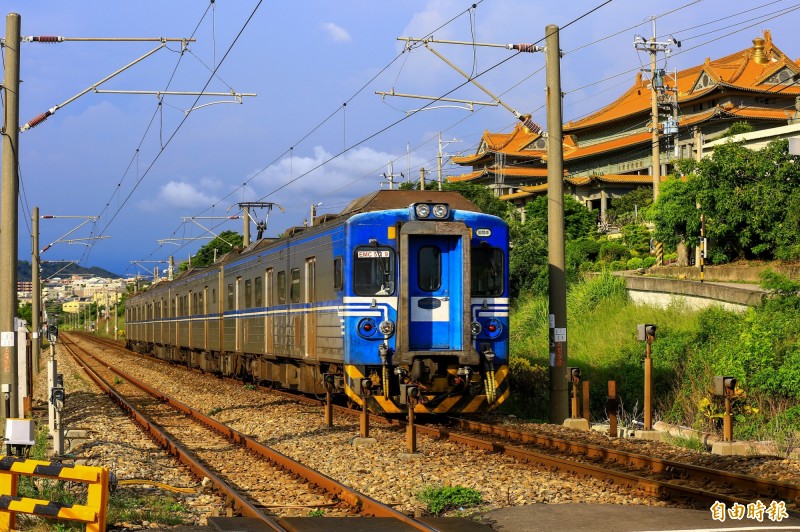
{"x":609,"y":152}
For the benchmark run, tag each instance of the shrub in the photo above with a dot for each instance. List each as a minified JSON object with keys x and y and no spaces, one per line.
{"x":441,"y":499}
{"x":634,"y":263}
{"x":611,"y":251}
{"x":617,"y":265}
{"x":648,"y":261}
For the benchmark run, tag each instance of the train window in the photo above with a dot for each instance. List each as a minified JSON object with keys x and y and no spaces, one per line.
{"x":201,"y":308}
{"x":172,"y":304}
{"x":373,"y":271}
{"x":194,"y":303}
{"x":281,"y":288}
{"x":295,"y":290}
{"x":487,"y":271}
{"x":230,"y":296}
{"x":338,"y":277}
{"x":259,"y":288}
{"x":248,"y":293}
{"x":429,"y":269}
{"x":213,"y":296}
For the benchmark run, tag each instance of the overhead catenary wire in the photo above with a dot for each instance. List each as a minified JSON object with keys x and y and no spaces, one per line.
{"x":333,"y":114}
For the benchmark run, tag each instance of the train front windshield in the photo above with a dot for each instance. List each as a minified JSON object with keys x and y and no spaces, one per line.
{"x":373,"y":271}
{"x":487,"y":272}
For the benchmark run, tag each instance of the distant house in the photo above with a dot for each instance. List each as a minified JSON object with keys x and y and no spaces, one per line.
{"x":609,"y":152}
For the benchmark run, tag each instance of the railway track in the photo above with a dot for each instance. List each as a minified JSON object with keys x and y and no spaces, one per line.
{"x":669,"y":471}
{"x":257,"y":480}
{"x":679,"y":482}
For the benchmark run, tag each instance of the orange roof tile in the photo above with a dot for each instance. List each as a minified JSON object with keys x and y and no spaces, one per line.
{"x":509,"y":171}
{"x":463,"y":178}
{"x":739,"y":70}
{"x":632,"y":179}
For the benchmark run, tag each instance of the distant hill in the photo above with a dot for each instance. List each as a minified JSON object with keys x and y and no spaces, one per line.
{"x":50,"y":269}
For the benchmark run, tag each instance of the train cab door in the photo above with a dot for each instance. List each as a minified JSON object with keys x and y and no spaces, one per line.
{"x":435,"y":292}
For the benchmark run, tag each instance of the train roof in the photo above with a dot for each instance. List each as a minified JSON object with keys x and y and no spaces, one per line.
{"x":400,"y":199}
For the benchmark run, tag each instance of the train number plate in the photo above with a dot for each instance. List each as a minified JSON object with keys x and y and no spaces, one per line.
{"x":369,"y":254}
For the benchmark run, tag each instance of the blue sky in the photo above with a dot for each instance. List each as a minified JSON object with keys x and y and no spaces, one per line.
{"x":142,"y":166}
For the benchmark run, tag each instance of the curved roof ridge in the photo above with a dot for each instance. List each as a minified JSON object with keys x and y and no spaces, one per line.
{"x":637,"y":85}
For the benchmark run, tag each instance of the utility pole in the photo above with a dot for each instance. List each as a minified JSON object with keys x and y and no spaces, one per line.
{"x":9,"y":190}
{"x":116,"y":314}
{"x":653,"y":47}
{"x":421,"y":178}
{"x":246,"y":233}
{"x":36,"y":296}
{"x":439,"y":158}
{"x":557,"y":283}
{"x":391,"y":175}
{"x":655,"y":141}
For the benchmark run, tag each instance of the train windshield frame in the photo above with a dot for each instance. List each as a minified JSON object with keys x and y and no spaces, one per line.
{"x":487,"y":271}
{"x":374,"y":271}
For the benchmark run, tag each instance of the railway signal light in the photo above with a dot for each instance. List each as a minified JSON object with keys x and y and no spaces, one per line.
{"x":574,"y":375}
{"x":724,"y":385}
{"x":645,"y":330}
{"x":52,"y":333}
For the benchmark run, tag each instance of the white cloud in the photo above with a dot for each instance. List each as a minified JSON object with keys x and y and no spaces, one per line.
{"x":183,"y":195}
{"x":335,"y":183}
{"x":336,"y":32}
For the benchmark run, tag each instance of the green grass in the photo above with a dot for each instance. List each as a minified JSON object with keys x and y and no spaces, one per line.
{"x":162,"y":508}
{"x":687,"y":442}
{"x":760,"y":347}
{"x":440,"y":499}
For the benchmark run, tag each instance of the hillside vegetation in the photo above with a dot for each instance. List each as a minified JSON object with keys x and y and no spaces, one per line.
{"x":760,"y":347}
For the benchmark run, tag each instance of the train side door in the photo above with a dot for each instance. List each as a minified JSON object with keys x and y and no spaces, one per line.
{"x":269,"y":333}
{"x":311,"y":318}
{"x":204,"y":310}
{"x":237,"y":299}
{"x":435,"y":292}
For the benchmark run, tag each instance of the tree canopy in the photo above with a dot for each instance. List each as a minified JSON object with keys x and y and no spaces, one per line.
{"x":216,"y":248}
{"x":750,"y":199}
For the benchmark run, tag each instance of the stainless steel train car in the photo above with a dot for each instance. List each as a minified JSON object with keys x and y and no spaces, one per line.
{"x":401,"y":299}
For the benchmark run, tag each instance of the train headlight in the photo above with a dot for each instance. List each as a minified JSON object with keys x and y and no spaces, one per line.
{"x":475,"y":327}
{"x":440,"y":211}
{"x":386,"y":327}
{"x":422,"y":210}
{"x":367,"y":328}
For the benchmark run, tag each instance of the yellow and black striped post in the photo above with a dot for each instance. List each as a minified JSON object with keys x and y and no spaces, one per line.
{"x":659,"y":253}
{"x":93,"y":513}
{"x":703,"y":246}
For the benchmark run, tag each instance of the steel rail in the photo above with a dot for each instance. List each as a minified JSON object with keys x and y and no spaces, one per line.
{"x":758,"y":486}
{"x":240,"y":504}
{"x":364,"y":504}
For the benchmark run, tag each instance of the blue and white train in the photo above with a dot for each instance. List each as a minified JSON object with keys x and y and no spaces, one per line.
{"x":401,"y":299}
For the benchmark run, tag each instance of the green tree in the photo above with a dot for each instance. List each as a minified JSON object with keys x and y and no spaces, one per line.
{"x":631,"y":207}
{"x":219,"y":246}
{"x":675,"y":213}
{"x":25,"y":312}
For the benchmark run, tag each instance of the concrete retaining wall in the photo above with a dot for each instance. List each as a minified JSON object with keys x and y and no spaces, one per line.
{"x":665,"y":292}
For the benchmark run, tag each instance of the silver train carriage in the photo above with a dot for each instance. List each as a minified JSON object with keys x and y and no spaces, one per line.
{"x":401,"y":299}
